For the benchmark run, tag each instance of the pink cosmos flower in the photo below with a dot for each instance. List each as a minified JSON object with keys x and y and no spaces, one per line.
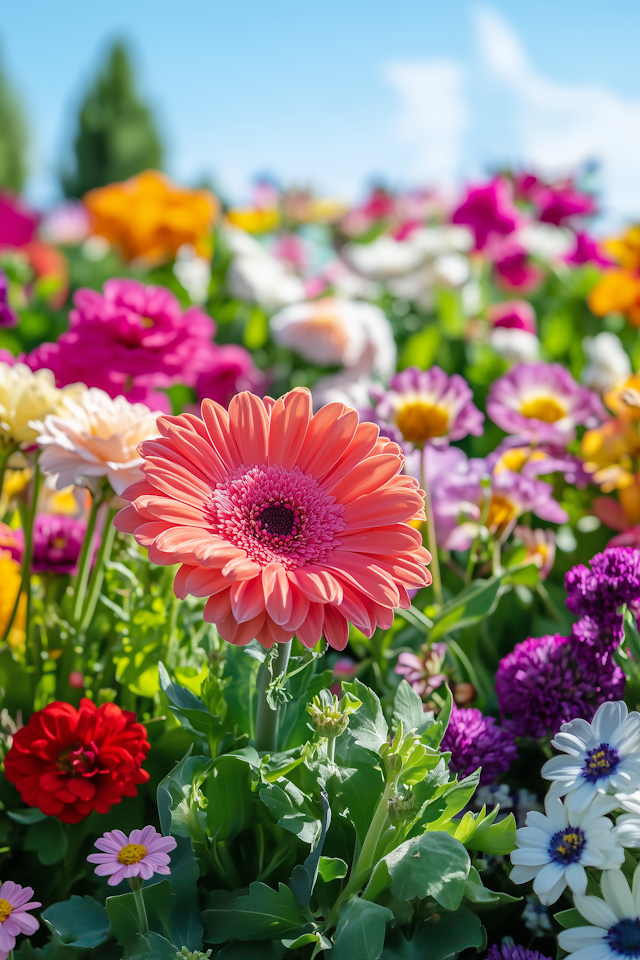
{"x":423,"y":672}
{"x":541,"y":402}
{"x":129,"y":340}
{"x":15,"y":901}
{"x":427,"y":405}
{"x":289,"y":523}
{"x":141,"y":854}
{"x":514,"y":315}
{"x":231,"y":371}
{"x":488,"y":210}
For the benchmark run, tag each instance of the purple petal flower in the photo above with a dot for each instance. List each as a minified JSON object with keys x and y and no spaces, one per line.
{"x":231,"y":370}
{"x":141,"y":854}
{"x":487,"y":210}
{"x":57,"y":542}
{"x":512,"y":951}
{"x":477,"y":741}
{"x":541,"y":402}
{"x":15,"y":901}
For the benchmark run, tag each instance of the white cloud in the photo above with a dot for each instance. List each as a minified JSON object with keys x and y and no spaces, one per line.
{"x":433,"y":116}
{"x":560,"y":125}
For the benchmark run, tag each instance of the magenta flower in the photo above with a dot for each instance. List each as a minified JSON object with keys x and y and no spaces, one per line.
{"x":423,"y":672}
{"x":513,"y":268}
{"x":557,"y":204}
{"x":57,"y":542}
{"x":8,"y":317}
{"x":141,"y":854}
{"x":586,"y":250}
{"x":514,"y":315}
{"x":17,"y":223}
{"x":541,"y":402}
{"x":231,"y":371}
{"x":477,"y":741}
{"x":129,"y":340}
{"x":15,"y":901}
{"x":427,"y":406}
{"x":487,"y":210}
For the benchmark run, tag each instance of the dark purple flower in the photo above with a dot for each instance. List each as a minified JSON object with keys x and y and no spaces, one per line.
{"x":8,"y":317}
{"x":508,"y":950}
{"x":614,"y":579}
{"x":231,"y":370}
{"x":57,"y":542}
{"x":131,"y":340}
{"x":487,"y":210}
{"x":477,"y":741}
{"x":547,"y":681}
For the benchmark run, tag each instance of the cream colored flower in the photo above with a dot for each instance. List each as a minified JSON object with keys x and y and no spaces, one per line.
{"x":26,"y":396}
{"x":96,"y":437}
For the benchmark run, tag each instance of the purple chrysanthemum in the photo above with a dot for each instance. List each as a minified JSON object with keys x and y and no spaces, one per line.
{"x":477,"y":741}
{"x":547,"y":681}
{"x":614,"y":579}
{"x":513,"y":951}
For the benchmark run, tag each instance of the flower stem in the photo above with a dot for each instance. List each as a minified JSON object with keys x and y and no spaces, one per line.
{"x":267,"y":720}
{"x":84,"y":563}
{"x":434,"y":566}
{"x":97,"y":577}
{"x":136,"y":885}
{"x":331,"y":749}
{"x":25,"y":573}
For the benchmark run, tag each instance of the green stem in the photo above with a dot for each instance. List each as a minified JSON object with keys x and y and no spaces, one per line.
{"x":84,"y":563}
{"x":97,"y":577}
{"x":136,"y":885}
{"x":434,"y":566}
{"x":331,"y":749}
{"x":267,"y":720}
{"x":25,"y":573}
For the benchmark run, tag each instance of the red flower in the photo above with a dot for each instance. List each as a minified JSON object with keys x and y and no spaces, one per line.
{"x":68,"y":762}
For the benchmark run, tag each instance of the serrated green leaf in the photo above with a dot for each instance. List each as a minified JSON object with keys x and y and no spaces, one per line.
{"x":150,"y":947}
{"x":262,"y":914}
{"x":292,"y":810}
{"x":497,"y":839}
{"x":408,"y":708}
{"x":367,"y":727}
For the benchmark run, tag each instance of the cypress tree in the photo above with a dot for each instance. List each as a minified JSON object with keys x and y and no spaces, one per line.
{"x":116,"y":136}
{"x":13,"y":139}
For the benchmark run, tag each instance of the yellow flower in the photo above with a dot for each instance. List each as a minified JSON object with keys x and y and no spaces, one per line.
{"x":625,"y":249}
{"x":10,"y":579}
{"x":611,"y":454}
{"x":148,"y":216}
{"x":254,"y":220}
{"x":25,"y":397}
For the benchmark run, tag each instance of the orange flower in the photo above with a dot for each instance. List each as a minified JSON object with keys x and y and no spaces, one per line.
{"x":289,"y":523}
{"x":623,"y":399}
{"x":148,"y":216}
{"x":625,"y":249}
{"x":619,"y":289}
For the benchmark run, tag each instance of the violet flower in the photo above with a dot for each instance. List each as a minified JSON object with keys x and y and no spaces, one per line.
{"x":57,"y":542}
{"x":477,"y":741}
{"x":508,"y":950}
{"x":541,"y":402}
{"x":487,"y":210}
{"x":15,"y":902}
{"x":141,"y":854}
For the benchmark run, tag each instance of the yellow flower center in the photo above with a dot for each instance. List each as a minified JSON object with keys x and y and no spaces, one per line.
{"x":419,"y":421}
{"x":543,"y":408}
{"x":147,"y":322}
{"x":5,"y":909}
{"x":59,"y":543}
{"x":512,"y":459}
{"x":501,"y":512}
{"x":132,"y":853}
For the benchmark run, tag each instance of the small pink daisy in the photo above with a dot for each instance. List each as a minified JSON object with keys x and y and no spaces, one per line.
{"x":141,"y":854}
{"x":14,"y":902}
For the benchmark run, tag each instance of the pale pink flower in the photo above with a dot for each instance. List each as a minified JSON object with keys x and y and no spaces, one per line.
{"x":141,"y":854}
{"x":14,"y":919}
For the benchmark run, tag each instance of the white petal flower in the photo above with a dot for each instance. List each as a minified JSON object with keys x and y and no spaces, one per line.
{"x":608,"y":361}
{"x":257,"y":276}
{"x":98,"y":437}
{"x":516,"y":346}
{"x":27,"y":396}
{"x":603,"y":757}
{"x":615,"y":930}
{"x":554,"y":848}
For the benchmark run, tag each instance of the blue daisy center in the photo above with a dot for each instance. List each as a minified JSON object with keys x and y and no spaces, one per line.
{"x":566,"y":846}
{"x":624,"y":937}
{"x":600,"y":762}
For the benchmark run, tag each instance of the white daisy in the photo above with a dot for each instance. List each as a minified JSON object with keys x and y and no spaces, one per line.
{"x":627,"y":831}
{"x":615,"y":932}
{"x":604,"y":756}
{"x":553,"y":850}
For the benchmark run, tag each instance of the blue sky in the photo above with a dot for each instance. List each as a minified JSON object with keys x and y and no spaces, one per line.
{"x":337,"y":92}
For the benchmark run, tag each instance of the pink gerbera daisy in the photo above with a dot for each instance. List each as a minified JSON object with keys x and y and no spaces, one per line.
{"x":141,"y":854}
{"x":289,"y":523}
{"x":14,"y":919}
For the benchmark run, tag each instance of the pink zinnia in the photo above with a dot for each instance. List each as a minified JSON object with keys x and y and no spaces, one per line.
{"x":14,"y":919}
{"x":141,"y":854}
{"x":289,"y":523}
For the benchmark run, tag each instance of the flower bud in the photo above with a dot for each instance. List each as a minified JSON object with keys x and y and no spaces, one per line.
{"x":401,"y":807}
{"x":329,"y":715}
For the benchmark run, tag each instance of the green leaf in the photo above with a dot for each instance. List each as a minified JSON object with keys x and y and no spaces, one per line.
{"x":451,"y":801}
{"x":28,"y":816}
{"x":49,"y":839}
{"x":432,"y":865}
{"x":408,"y":708}
{"x":474,"y":603}
{"x":262,"y":914}
{"x":483,"y":898}
{"x":292,"y":809}
{"x":332,"y":868}
{"x":497,"y":839}
{"x":242,"y":692}
{"x":631,"y":635}
{"x":150,"y":947}
{"x":367,"y":727}
{"x":124,"y":916}
{"x":527,"y":576}
{"x":447,"y":937}
{"x":571,"y":918}
{"x":178,"y":799}
{"x":79,"y":922}
{"x":304,"y":876}
{"x":186,"y":926}
{"x":360,"y":931}
{"x":357,"y":783}
{"x":230,"y":799}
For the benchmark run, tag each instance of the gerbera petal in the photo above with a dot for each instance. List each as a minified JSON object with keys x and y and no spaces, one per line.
{"x":216,"y":420}
{"x":218,"y":607}
{"x":363,"y":443}
{"x":335,"y":629}
{"x":391,"y":504}
{"x":392,"y":541}
{"x":249,"y":424}
{"x":247,"y":599}
{"x":299,"y":609}
{"x":288,"y":427}
{"x":277,"y":593}
{"x":240,"y":634}
{"x":310,"y":631}
{"x":364,"y":575}
{"x":363,"y":479}
{"x":317,"y":584}
{"x":329,"y":434}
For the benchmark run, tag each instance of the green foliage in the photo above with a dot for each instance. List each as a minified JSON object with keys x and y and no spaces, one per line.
{"x":116,"y":135}
{"x":13,"y":138}
{"x":79,"y":922}
{"x":360,"y":931}
{"x":262,"y":914}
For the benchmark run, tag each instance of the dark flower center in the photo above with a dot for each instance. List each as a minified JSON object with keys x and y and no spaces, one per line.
{"x":624,"y":937}
{"x":81,"y":762}
{"x":566,"y":845}
{"x":600,"y":762}
{"x":278,"y":520}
